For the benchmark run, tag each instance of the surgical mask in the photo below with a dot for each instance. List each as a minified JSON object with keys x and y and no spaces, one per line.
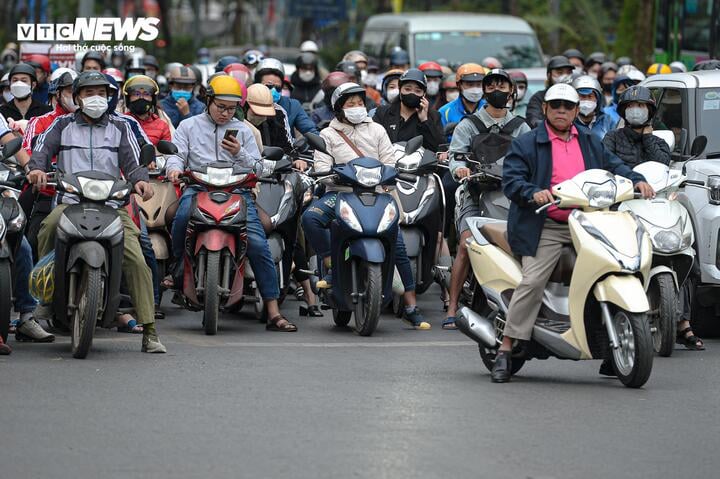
{"x":20,"y":90}
{"x":355,"y":115}
{"x":561,"y":79}
{"x":497,"y":99}
{"x":636,"y":116}
{"x":452,"y":95}
{"x":473,"y":95}
{"x":392,"y":94}
{"x":306,"y":75}
{"x":587,"y":107}
{"x":410,"y":100}
{"x":371,"y":79}
{"x":433,"y":87}
{"x":94,"y":106}
{"x":68,"y":103}
{"x":178,"y":94}
{"x":521,"y":92}
{"x":8,"y":96}
{"x":578,"y":71}
{"x":140,"y":107}
{"x":275,"y":93}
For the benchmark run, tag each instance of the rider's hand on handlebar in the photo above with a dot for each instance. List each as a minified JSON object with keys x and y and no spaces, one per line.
{"x":645,"y":190}
{"x":300,"y":165}
{"x":144,"y":189}
{"x":462,"y":172}
{"x":37,"y":178}
{"x":174,"y":176}
{"x":543,"y":197}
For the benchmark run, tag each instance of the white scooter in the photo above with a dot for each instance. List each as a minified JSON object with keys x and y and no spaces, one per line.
{"x":668,"y":223}
{"x":594,"y":306}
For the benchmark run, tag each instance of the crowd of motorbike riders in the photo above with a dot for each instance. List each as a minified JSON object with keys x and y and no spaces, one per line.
{"x":361,"y":108}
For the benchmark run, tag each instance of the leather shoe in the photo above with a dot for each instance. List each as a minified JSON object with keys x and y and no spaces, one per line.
{"x":606,"y":369}
{"x":503,"y":366}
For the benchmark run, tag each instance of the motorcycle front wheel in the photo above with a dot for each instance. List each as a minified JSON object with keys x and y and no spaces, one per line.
{"x":663,"y":298}
{"x":367,"y":308}
{"x":88,"y":302}
{"x":212,"y":293}
{"x":633,"y":359}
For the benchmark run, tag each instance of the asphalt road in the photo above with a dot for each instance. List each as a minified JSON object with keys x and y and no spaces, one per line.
{"x":325,"y":403}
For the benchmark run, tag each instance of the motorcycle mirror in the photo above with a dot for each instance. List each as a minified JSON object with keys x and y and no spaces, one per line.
{"x":413,"y":145}
{"x":698,"y":146}
{"x":273,"y":153}
{"x":316,"y":142}
{"x":167,"y":147}
{"x":147,"y":154}
{"x":450,"y":128}
{"x":12,"y":147}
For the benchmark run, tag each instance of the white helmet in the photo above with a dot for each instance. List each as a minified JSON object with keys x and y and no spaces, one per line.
{"x":678,"y":67}
{"x":59,"y":72}
{"x":309,"y":46}
{"x":562,"y":91}
{"x":636,"y":75}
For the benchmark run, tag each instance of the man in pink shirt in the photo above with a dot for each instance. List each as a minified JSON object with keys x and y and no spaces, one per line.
{"x":553,"y":152}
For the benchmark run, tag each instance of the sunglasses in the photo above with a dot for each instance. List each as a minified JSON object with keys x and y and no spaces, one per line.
{"x":556,"y":104}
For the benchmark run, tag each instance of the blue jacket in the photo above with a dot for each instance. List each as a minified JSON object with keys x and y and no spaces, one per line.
{"x":169,"y":106}
{"x":613,"y":116}
{"x":527,"y":169}
{"x":297,"y":118}
{"x":455,"y":111}
{"x":601,"y":126}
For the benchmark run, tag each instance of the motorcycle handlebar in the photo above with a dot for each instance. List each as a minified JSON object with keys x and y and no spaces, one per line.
{"x":546,"y":206}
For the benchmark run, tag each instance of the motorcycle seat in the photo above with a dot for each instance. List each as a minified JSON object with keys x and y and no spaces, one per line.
{"x":564,"y":267}
{"x":496,"y":233}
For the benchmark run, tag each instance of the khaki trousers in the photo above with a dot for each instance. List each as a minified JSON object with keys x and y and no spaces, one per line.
{"x":536,"y":270}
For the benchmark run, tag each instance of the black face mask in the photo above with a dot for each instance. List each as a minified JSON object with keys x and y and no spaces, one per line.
{"x":139,"y":107}
{"x":607,"y":87}
{"x":497,"y":99}
{"x":410,"y":100}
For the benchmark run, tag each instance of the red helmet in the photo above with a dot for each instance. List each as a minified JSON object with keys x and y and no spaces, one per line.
{"x":243,"y":77}
{"x":42,"y":61}
{"x":518,"y":77}
{"x":236,"y":67}
{"x":431,"y":70}
{"x":334,"y":80}
{"x":115,"y":73}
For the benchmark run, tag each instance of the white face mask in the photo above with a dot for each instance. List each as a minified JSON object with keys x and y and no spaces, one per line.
{"x":306,"y":75}
{"x":355,"y":115}
{"x":20,"y":90}
{"x":68,"y":103}
{"x":587,"y":107}
{"x":521,"y":93}
{"x":94,"y":106}
{"x":392,"y":94}
{"x":452,"y":95}
{"x":561,"y":79}
{"x":8,"y":96}
{"x":433,"y":87}
{"x":636,"y":116}
{"x":371,"y":80}
{"x":473,"y":95}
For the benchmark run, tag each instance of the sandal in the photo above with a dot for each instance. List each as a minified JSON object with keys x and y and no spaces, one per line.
{"x":131,"y":327}
{"x":449,"y":323}
{"x":690,"y":341}
{"x":280,"y":323}
{"x":312,"y":311}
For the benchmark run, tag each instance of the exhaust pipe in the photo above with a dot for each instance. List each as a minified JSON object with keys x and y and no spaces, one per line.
{"x":476,"y":327}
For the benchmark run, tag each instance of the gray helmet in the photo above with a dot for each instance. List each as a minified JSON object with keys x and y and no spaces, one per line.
{"x":269,"y":66}
{"x":415,"y":75}
{"x":25,"y":69}
{"x":90,"y":78}
{"x":94,"y":55}
{"x":558,"y":62}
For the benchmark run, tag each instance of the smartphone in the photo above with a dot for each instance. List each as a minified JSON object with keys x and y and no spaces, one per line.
{"x":229,"y":133}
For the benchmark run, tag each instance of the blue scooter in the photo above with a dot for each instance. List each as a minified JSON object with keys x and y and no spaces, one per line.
{"x":363,"y":237}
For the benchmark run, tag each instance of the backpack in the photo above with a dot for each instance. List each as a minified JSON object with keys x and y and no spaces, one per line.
{"x":491,"y":144}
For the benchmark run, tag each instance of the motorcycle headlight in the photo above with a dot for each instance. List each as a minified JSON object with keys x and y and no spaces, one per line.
{"x":96,"y":190}
{"x":219,"y":177}
{"x":669,"y":240}
{"x":600,"y":196}
{"x":118,"y":195}
{"x":368,"y":176}
{"x":348,"y":216}
{"x":388,"y":217}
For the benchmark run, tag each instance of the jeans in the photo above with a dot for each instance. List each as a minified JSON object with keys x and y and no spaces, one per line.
{"x":316,"y":224}
{"x":258,"y":251}
{"x":149,"y":254}
{"x":24,"y":302}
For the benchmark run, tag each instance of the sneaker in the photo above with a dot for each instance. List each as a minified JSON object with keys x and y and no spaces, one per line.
{"x":415,"y":319}
{"x":151,"y":344}
{"x":31,"y":331}
{"x":326,"y":281}
{"x":4,"y":348}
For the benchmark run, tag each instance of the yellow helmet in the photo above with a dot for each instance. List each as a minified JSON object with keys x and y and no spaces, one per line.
{"x":658,"y":69}
{"x":224,"y":87}
{"x":140,"y":81}
{"x":42,"y":279}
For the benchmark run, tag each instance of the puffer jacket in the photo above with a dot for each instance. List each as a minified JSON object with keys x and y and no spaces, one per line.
{"x":635,"y":148}
{"x":369,"y":137}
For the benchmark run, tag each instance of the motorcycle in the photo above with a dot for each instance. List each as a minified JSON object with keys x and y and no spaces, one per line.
{"x":364,"y":235}
{"x":594,"y":305}
{"x":668,"y":223}
{"x":12,"y":225}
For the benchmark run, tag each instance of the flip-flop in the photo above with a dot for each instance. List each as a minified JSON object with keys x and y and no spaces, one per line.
{"x":449,"y":323}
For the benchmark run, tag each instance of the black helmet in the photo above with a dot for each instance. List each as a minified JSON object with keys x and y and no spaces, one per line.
{"x":94,"y":55}
{"x":595,"y":57}
{"x":607,"y":66}
{"x":25,"y":69}
{"x":90,"y":78}
{"x":574,"y":53}
{"x":638,"y":94}
{"x":151,"y":61}
{"x":306,"y":59}
{"x":225,"y":61}
{"x":399,"y":57}
{"x":707,"y":65}
{"x":622,"y":61}
{"x":558,"y":62}
{"x":414,"y":74}
{"x":497,"y":73}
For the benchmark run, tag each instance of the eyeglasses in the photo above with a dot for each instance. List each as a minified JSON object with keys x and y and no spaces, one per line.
{"x":225,"y":109}
{"x":556,"y":104}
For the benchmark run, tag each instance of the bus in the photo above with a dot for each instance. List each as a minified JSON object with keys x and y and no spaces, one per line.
{"x":687,"y":30}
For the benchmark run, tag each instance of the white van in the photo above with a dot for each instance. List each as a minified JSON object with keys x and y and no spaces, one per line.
{"x":458,"y":37}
